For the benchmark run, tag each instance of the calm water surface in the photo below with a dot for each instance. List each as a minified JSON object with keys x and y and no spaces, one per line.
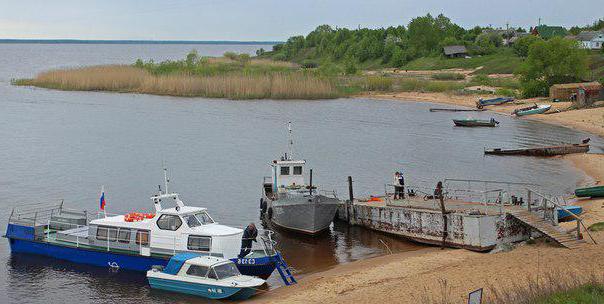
{"x":65,"y":145}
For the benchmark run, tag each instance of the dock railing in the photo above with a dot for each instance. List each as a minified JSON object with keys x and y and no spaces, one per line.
{"x":549,"y":207}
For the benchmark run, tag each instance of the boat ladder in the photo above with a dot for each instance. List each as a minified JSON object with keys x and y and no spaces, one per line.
{"x":284,"y":270}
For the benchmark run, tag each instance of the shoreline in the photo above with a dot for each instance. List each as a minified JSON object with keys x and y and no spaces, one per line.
{"x":431,"y":274}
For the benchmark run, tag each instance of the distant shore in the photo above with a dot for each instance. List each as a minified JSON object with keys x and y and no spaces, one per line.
{"x":112,"y":41}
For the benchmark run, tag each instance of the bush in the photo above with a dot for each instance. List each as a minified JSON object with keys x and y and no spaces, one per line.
{"x":521,"y":46}
{"x":350,"y":68}
{"x":279,"y":57}
{"x":231,"y":55}
{"x":309,"y":64}
{"x":377,"y":83}
{"x":448,"y":76}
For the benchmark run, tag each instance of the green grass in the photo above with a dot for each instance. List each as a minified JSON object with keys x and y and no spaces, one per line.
{"x":597,"y":227}
{"x":504,"y":61}
{"x":449,"y":76}
{"x":507,"y":82}
{"x":586,"y":294}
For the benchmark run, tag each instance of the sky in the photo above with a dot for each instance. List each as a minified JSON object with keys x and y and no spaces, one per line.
{"x":264,"y":20}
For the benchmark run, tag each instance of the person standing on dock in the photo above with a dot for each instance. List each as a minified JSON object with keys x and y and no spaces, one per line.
{"x":249,"y":234}
{"x":399,"y":189}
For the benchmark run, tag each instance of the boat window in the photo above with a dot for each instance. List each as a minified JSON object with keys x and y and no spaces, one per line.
{"x":142,"y":237}
{"x":297,"y":170}
{"x":198,"y":271}
{"x":169,"y":222}
{"x":191,"y":220}
{"x":226,"y":270}
{"x":204,"y":218}
{"x":212,"y":274}
{"x":101,"y":233}
{"x":112,"y":234}
{"x":285,"y":170}
{"x":199,"y":243}
{"x":123,"y":235}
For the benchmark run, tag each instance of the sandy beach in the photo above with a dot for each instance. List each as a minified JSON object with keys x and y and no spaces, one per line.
{"x":447,"y":276}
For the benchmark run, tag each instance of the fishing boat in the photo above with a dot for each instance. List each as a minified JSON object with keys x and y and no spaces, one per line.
{"x":136,"y":241}
{"x":535,"y":109}
{"x":475,"y":122}
{"x":205,"y":276}
{"x":596,"y":191}
{"x":493,"y":101}
{"x":542,"y":151}
{"x":289,"y":203}
{"x":564,"y":215}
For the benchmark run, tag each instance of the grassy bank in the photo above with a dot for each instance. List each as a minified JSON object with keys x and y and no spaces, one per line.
{"x":254,"y":80}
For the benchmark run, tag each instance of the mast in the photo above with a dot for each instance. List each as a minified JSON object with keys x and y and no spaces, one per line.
{"x":290,"y":142}
{"x":166,"y":180}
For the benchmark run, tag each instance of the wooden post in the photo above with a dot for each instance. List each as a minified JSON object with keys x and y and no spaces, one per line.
{"x":351,"y":199}
{"x":310,"y":188}
{"x":578,"y":229}
{"x":528,"y":200}
{"x":441,"y":198}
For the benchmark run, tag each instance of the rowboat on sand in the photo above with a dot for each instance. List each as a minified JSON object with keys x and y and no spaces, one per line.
{"x":536,"y":109}
{"x":596,"y":191}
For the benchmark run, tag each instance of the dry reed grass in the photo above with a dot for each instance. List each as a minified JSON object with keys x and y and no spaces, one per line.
{"x":122,"y":78}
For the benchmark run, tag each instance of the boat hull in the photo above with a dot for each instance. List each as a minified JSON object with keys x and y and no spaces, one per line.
{"x":474,"y":123}
{"x":563,"y":216}
{"x":542,"y":151}
{"x":261,"y":267}
{"x":308,"y":215}
{"x":539,"y":110}
{"x":202,"y":290}
{"x":597,"y":191}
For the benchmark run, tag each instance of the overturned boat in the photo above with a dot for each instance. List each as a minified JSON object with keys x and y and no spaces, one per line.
{"x":289,"y":203}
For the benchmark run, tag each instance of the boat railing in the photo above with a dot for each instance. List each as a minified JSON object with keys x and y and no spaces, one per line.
{"x":549,"y":207}
{"x":37,"y":213}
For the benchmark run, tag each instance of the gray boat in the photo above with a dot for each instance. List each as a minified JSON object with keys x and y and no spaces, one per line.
{"x":289,"y":203}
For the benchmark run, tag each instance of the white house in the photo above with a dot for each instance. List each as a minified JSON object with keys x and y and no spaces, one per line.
{"x":593,"y":40}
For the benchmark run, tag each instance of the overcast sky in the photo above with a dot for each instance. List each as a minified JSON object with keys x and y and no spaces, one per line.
{"x":264,"y":19}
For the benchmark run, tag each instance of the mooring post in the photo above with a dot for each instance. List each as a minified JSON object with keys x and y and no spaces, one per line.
{"x":310,"y":188}
{"x":441,"y":198}
{"x":578,"y":229}
{"x":528,"y":200}
{"x":351,"y":199}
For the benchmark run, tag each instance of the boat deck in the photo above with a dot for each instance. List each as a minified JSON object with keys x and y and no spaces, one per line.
{"x":451,"y":205}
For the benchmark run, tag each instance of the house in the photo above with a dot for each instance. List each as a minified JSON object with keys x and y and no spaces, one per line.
{"x":547,"y":32}
{"x":455,"y":51}
{"x":592,"y":40}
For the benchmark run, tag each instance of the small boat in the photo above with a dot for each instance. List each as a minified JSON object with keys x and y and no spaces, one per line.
{"x":536,"y":109}
{"x":542,"y":151}
{"x":494,"y":101}
{"x":597,"y":191}
{"x":205,"y":276}
{"x":564,"y":216}
{"x":475,"y":122}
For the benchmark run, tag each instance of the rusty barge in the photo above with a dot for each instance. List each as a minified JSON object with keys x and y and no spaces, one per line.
{"x":477,"y":220}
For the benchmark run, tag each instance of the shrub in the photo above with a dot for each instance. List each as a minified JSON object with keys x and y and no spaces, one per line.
{"x":309,"y":64}
{"x":350,"y":68}
{"x":231,"y":55}
{"x":448,"y":76}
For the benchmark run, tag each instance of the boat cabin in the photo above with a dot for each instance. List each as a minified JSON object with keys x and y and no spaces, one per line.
{"x":286,"y":174}
{"x":168,"y":231}
{"x":195,"y":266}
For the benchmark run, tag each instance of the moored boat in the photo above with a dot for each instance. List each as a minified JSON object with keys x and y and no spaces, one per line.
{"x":493,"y":101}
{"x":564,"y":214}
{"x":541,"y":151}
{"x":289,"y":203}
{"x":596,"y":191}
{"x":136,"y":241}
{"x":204,"y":276}
{"x":536,"y":109}
{"x":475,"y":122}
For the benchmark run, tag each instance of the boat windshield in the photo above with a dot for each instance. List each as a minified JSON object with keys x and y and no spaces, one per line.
{"x":226,"y":271}
{"x":198,"y":219}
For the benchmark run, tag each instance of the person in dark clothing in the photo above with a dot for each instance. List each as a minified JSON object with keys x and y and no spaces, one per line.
{"x":249,"y":234}
{"x":401,"y":183}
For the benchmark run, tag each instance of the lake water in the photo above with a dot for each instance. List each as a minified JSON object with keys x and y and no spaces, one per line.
{"x":65,"y":145}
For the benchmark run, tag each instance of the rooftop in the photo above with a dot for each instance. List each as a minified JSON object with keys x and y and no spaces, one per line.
{"x":455,"y":49}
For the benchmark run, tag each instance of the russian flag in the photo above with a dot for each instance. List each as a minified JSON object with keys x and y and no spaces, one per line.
{"x":102,"y":200}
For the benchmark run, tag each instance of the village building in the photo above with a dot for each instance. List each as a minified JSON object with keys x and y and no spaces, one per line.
{"x":455,"y":51}
{"x":591,"y":40}
{"x":547,"y":32}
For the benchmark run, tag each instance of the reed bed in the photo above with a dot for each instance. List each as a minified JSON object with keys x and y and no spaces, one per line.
{"x":122,"y":78}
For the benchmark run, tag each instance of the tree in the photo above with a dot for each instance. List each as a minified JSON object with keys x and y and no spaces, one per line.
{"x":521,"y":46}
{"x":192,"y":58}
{"x":550,"y":62}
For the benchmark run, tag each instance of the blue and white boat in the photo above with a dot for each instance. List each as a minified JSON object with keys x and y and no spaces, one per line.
{"x":204,"y":276}
{"x":137,"y":241}
{"x":564,"y":215}
{"x":493,"y":101}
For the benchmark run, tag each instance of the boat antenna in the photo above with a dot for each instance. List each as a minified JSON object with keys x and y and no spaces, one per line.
{"x":166,"y":179}
{"x":290,"y":142}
